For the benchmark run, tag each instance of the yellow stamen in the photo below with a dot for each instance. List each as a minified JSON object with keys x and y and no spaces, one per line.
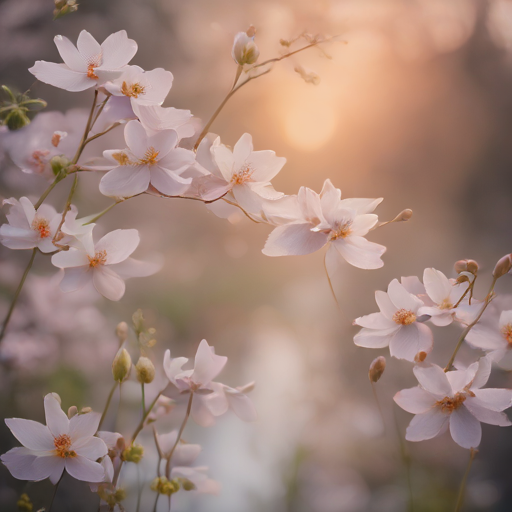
{"x":63,"y":446}
{"x":242,"y":176}
{"x":450,"y":404}
{"x":342,"y":230}
{"x":132,"y":90}
{"x":42,"y":226}
{"x":122,"y":158}
{"x":100,"y":258}
{"x":404,"y":317}
{"x":91,"y":73}
{"x":507,"y":333}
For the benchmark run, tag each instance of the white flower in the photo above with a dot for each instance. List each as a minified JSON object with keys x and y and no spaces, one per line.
{"x":313,"y":220}
{"x":106,"y":264}
{"x":155,"y":118}
{"x":224,"y":398}
{"x":396,"y":325}
{"x":183,"y":457}
{"x":142,"y":87}
{"x":454,"y":400}
{"x":29,"y":228}
{"x":207,"y":366}
{"x":496,"y":340}
{"x":115,"y":444}
{"x":244,"y":49}
{"x":88,"y":64}
{"x":149,"y":159}
{"x":62,"y":444}
{"x":445,"y":294}
{"x":32,"y":147}
{"x":247,"y":173}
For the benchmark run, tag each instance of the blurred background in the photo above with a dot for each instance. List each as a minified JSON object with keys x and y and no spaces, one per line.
{"x":413,"y":105}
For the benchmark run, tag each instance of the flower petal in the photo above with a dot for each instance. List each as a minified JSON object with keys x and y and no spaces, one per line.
{"x":375,"y":321}
{"x":125,"y":181}
{"x":70,"y":259}
{"x":59,"y":75}
{"x":359,"y":252}
{"x":31,"y":434}
{"x":89,"y":48}
{"x":493,"y":399}
{"x":25,"y":464}
{"x":401,"y":298}
{"x":293,"y":239}
{"x":91,"y":448}
{"x":83,"y":425}
{"x":426,"y":425}
{"x":485,"y":415}
{"x":373,"y":338}
{"x":387,"y":308}
{"x":415,"y":400}
{"x":84,"y":469}
{"x":437,"y":285}
{"x":207,"y":364}
{"x":56,"y":418}
{"x":75,"y":278}
{"x":410,"y":340}
{"x":433,"y":379}
{"x":70,"y":55}
{"x":117,"y":50}
{"x":167,"y":182}
{"x":465,"y":429}
{"x":265,"y":165}
{"x":118,"y":244}
{"x":108,"y":283}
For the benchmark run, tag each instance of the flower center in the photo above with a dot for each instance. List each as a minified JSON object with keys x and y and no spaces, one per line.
{"x":150,"y":157}
{"x":507,"y":333}
{"x":404,"y":317}
{"x":63,"y":446}
{"x":242,"y":176}
{"x":342,"y":230}
{"x":100,"y":258}
{"x":38,"y":157}
{"x":91,"y":73}
{"x":122,"y":158}
{"x":132,"y":90}
{"x":41,"y":226}
{"x":450,"y":404}
{"x":446,"y":304}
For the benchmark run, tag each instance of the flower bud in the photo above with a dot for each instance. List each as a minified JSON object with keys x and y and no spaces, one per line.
{"x":121,"y":365}
{"x":85,"y":410}
{"x":466,"y":266}
{"x":138,"y":321}
{"x":63,"y":7}
{"x":377,"y":368}
{"x":145,"y":370}
{"x":122,"y":332}
{"x":59,"y":164}
{"x":133,"y":453}
{"x":24,"y":504}
{"x":503,"y":266}
{"x":187,"y":485}
{"x":163,"y":486}
{"x":244,"y":49}
{"x":16,"y":119}
{"x":72,"y":411}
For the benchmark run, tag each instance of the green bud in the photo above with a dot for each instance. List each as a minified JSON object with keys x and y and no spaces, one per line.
{"x":163,"y":486}
{"x":187,"y":485}
{"x":63,"y":7}
{"x":13,"y":111}
{"x":24,"y":504}
{"x":145,"y":370}
{"x":16,"y":119}
{"x":111,"y":497}
{"x":121,"y":365}
{"x":59,"y":164}
{"x":133,"y":453}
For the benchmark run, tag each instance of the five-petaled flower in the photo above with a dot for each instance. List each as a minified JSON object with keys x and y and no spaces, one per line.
{"x":61,"y":444}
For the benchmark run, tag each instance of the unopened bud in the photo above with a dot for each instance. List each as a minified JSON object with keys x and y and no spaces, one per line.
{"x":138,"y":321}
{"x":244,"y":49}
{"x":133,"y":453}
{"x":85,"y":410}
{"x":466,"y":266}
{"x":24,"y":504}
{"x":63,"y":7}
{"x":377,"y":368}
{"x":187,"y":485}
{"x":420,"y":357}
{"x":145,"y":370}
{"x":163,"y":486}
{"x":59,"y":164}
{"x":122,"y":331}
{"x":16,"y":119}
{"x":503,"y":266}
{"x":72,"y":411}
{"x":121,"y":365}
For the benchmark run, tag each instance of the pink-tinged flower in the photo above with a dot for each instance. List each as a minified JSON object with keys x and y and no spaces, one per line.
{"x":61,"y":444}
{"x":155,"y":118}
{"x":115,"y":445}
{"x":107,"y":264}
{"x":313,"y":220}
{"x":445,"y":294}
{"x":87,"y":65}
{"x":225,"y":398}
{"x":396,"y":325}
{"x":29,"y":228}
{"x":454,"y":400}
{"x":495,"y":338}
{"x":183,"y":457}
{"x":149,"y":159}
{"x":247,"y":173}
{"x":142,"y":87}
{"x":207,"y":366}
{"x":32,"y":147}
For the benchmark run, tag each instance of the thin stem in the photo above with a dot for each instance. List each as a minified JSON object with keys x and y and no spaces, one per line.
{"x":462,"y":488}
{"x":143,"y":401}
{"x":55,"y":493}
{"x":156,"y":501}
{"x":139,"y":489}
{"x":178,"y":438}
{"x":107,"y":405}
{"x":406,"y":459}
{"x":106,"y":210}
{"x":98,"y":135}
{"x":86,"y":131}
{"x":66,"y":209}
{"x":47,"y":191}
{"x":17,"y":294}
{"x":470,"y":287}
{"x":140,"y":426}
{"x":374,"y":389}
{"x":471,"y":325}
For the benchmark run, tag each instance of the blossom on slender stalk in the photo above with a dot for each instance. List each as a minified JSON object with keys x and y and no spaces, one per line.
{"x":148,"y":160}
{"x":115,"y":444}
{"x":396,"y":325}
{"x":182,"y":458}
{"x":495,"y":338}
{"x":454,"y":400}
{"x":107,"y":264}
{"x":445,"y":294}
{"x":156,"y":118}
{"x":142,"y":87}
{"x":87,"y":65}
{"x":226,"y":398}
{"x":247,"y":173}
{"x":29,"y":228}
{"x":61,"y":444}
{"x":244,"y":49}
{"x":310,"y":221}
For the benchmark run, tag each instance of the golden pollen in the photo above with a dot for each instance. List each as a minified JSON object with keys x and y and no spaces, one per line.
{"x":150,"y":157}
{"x":132,"y":90}
{"x":342,"y":230}
{"x":121,"y":157}
{"x":91,"y":73}
{"x":404,"y":317}
{"x":41,"y":226}
{"x":100,"y":258}
{"x":63,"y":446}
{"x":507,"y":333}
{"x":38,"y":159}
{"x":446,"y":304}
{"x":242,"y":176}
{"x":450,"y":404}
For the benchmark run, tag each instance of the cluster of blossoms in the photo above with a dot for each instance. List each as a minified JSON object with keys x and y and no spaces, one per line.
{"x":451,"y":397}
{"x":74,"y":443}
